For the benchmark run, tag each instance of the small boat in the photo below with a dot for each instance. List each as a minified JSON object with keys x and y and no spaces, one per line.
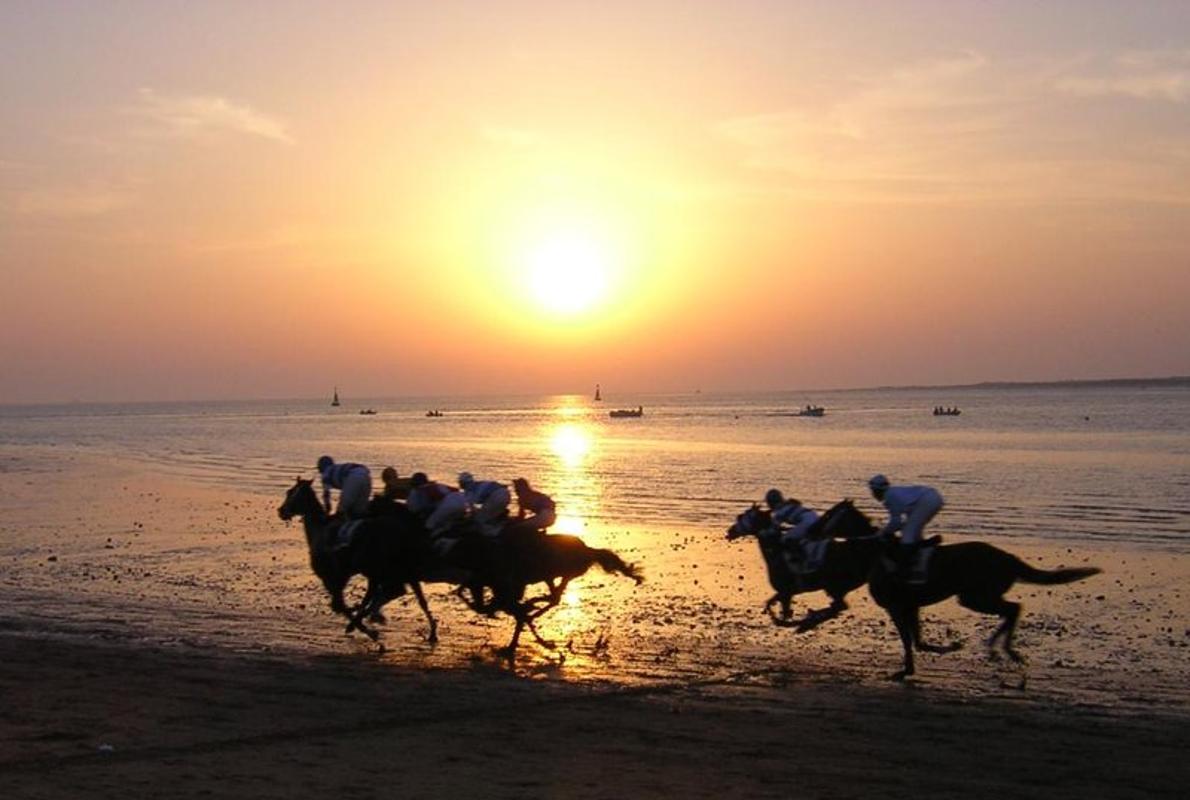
{"x":812,"y":411}
{"x":367,"y":411}
{"x":335,"y":399}
{"x":939,"y":411}
{"x":621,"y":413}
{"x":597,"y":397}
{"x":434,"y":413}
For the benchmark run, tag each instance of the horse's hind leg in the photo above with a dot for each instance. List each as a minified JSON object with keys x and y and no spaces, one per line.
{"x":425,"y":609}
{"x":1007,"y":610}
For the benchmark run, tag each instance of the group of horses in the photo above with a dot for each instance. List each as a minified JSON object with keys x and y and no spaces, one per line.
{"x":976,"y":573}
{"x":395,"y":553}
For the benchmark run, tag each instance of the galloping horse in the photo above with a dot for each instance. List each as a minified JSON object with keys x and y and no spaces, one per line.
{"x":553,"y":559}
{"x":845,"y":567}
{"x":977,"y":573}
{"x":386,"y":550}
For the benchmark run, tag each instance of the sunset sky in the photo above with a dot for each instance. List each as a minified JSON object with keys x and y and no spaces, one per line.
{"x":235,"y":200}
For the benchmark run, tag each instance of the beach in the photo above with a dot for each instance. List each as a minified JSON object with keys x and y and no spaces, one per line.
{"x":164,"y":637}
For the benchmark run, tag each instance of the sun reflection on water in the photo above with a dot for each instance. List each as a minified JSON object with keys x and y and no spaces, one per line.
{"x":571,"y":443}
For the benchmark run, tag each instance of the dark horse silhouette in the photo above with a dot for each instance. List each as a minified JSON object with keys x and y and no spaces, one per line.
{"x":394,"y":551}
{"x":977,"y":573}
{"x":845,"y":567}
{"x":521,"y":558}
{"x":386,"y":550}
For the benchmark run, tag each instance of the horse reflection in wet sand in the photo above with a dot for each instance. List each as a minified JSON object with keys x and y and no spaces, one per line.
{"x":845,"y":567}
{"x":977,"y":573}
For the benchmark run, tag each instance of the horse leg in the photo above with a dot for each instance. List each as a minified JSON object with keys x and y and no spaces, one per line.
{"x":425,"y":609}
{"x":546,"y":643}
{"x":903,"y":619}
{"x":356,"y":618}
{"x":1008,"y":611}
{"x":786,"y":601}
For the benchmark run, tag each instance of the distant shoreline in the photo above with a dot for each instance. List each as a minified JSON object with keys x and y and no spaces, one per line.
{"x":1074,"y":383}
{"x":1174,"y":381}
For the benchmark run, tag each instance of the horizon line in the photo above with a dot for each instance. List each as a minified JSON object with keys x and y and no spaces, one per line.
{"x":1064,"y":382}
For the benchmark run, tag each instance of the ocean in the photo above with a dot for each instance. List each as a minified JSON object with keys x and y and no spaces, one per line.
{"x":1056,"y":462}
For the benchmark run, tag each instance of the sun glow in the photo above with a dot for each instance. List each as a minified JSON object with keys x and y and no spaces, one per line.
{"x":569,"y":272}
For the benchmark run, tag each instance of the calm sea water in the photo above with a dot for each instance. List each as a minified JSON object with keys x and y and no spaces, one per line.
{"x":1094,"y":462}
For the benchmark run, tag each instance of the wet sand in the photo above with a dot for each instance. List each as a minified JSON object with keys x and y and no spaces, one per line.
{"x":161,"y":638}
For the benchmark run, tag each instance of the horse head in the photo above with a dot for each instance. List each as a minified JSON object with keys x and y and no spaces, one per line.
{"x":845,"y":521}
{"x":750,"y":523}
{"x":300,"y":500}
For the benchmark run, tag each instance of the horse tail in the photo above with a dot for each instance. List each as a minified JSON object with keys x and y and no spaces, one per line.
{"x":613,"y":563}
{"x":1050,"y":576}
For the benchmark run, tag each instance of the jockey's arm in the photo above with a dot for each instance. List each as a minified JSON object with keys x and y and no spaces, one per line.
{"x":894,"y":524}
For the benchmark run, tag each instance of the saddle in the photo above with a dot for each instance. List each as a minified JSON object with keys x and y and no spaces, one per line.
{"x":912,"y":567}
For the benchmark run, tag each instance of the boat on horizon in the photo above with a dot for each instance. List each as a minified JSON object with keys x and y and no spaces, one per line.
{"x":597,"y":396}
{"x":939,"y":411}
{"x":367,"y":411}
{"x":621,"y":413}
{"x":811,"y":411}
{"x":335,"y":399}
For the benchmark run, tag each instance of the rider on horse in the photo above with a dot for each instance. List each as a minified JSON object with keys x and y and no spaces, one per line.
{"x":441,"y":506}
{"x":488,"y":501}
{"x":910,"y":508}
{"x":354,"y":482}
{"x":792,"y":520}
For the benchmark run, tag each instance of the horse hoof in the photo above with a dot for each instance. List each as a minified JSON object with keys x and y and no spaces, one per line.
{"x":899,"y":677}
{"x":1015,"y":656}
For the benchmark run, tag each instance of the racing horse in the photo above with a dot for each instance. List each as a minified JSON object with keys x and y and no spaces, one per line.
{"x":977,"y":573}
{"x":386,"y":550}
{"x":845,"y":566}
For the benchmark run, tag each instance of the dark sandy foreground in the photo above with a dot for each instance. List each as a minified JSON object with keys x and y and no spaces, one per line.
{"x":82,"y":719}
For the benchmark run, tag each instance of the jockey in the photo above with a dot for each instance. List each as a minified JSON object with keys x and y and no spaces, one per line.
{"x":392,"y":484}
{"x":538,"y":504}
{"x":441,"y":506}
{"x":354,"y":483}
{"x":488,"y":501}
{"x":791,"y":518}
{"x":910,"y":508}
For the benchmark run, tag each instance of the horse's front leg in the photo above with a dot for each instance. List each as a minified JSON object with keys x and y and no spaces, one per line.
{"x":903,"y":619}
{"x":425,"y":609}
{"x":356,"y":618}
{"x":785,"y":599}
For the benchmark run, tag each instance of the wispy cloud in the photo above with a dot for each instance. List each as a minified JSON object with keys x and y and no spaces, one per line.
{"x":194,"y":116}
{"x":1143,"y":75}
{"x":967,"y":129}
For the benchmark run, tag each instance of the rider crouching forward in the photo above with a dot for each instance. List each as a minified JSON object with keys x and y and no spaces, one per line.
{"x":792,"y":519}
{"x":354,"y":482}
{"x":910,"y":508}
{"x":488,"y":501}
{"x":441,"y":506}
{"x":538,"y":505}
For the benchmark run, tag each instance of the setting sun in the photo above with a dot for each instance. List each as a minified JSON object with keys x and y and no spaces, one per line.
{"x":568,"y":272}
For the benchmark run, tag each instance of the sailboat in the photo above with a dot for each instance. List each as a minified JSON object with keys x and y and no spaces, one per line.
{"x":597,"y":397}
{"x":335,"y":399}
